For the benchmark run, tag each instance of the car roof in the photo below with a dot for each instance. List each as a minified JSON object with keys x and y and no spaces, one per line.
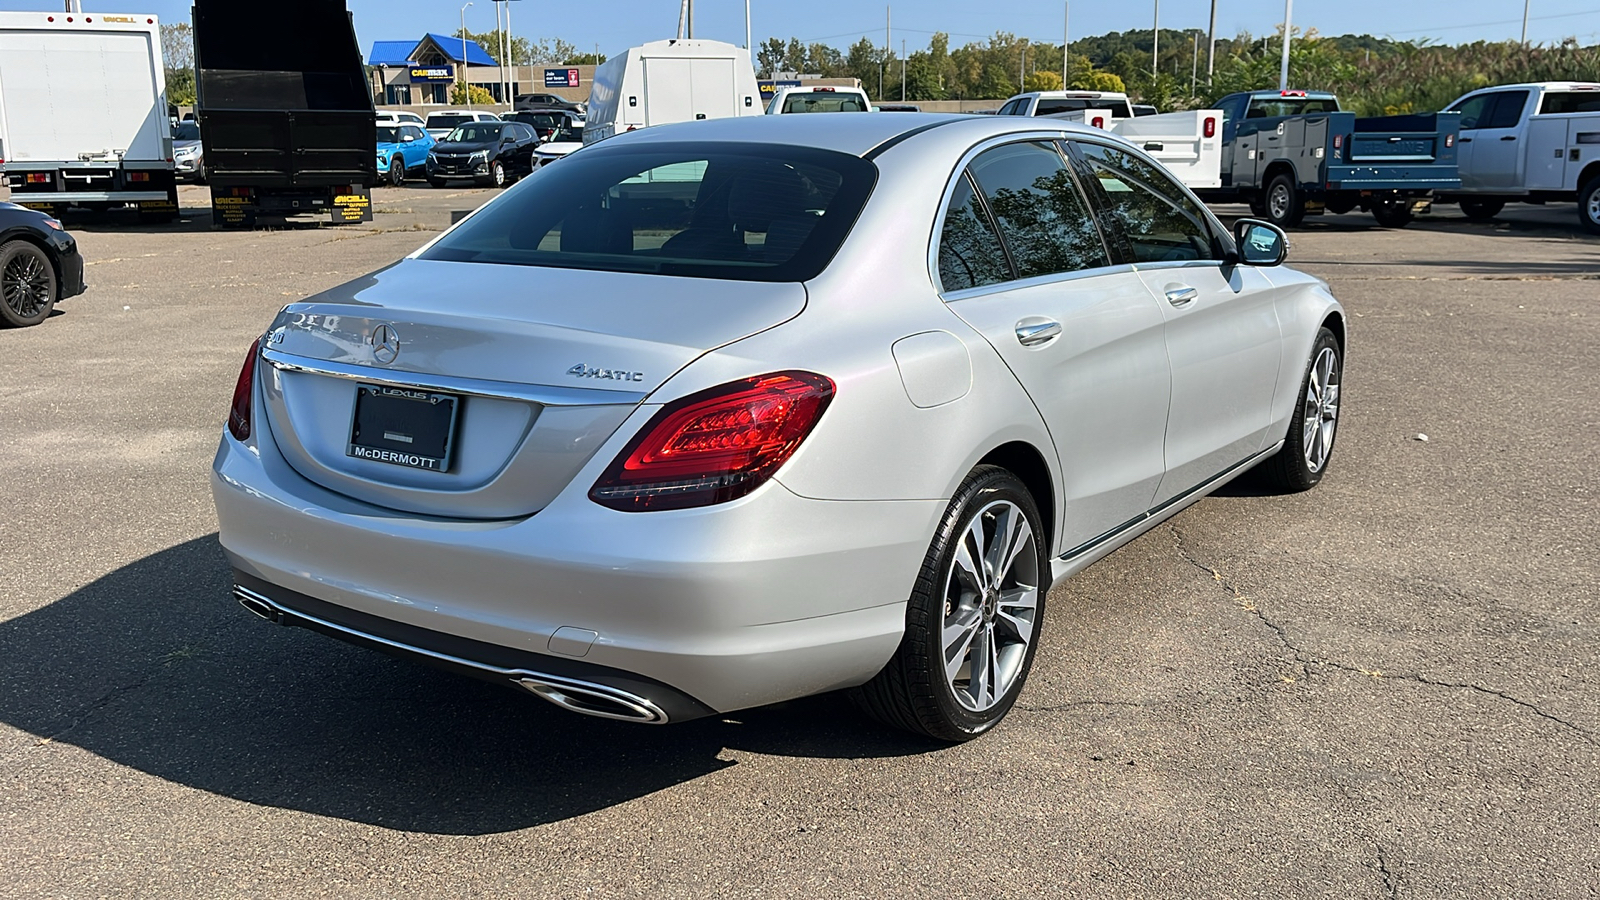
{"x":855,"y":135}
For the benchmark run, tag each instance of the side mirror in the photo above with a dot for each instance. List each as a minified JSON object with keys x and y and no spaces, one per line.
{"x":406,"y":139}
{"x":1260,"y":243}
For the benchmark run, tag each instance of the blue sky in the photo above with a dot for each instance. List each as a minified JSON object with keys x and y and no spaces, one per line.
{"x":616,"y":24}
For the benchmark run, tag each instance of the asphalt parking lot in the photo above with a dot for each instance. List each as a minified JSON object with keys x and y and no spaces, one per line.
{"x":1388,"y":687}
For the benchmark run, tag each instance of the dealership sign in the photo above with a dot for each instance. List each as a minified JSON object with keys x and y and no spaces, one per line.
{"x":432,"y":74}
{"x":561,"y":78}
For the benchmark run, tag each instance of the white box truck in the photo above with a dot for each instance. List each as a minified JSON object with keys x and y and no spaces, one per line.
{"x":83,"y":113}
{"x":671,"y":81}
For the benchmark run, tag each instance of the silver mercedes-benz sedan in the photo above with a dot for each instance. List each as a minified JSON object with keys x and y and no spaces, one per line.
{"x":720,"y":414}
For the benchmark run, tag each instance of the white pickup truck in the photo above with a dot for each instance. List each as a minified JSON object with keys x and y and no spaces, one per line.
{"x":1530,"y":143}
{"x":1188,"y":143}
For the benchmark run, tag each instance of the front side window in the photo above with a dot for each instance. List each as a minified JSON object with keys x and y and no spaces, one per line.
{"x":1159,"y":221}
{"x":1472,"y":110}
{"x":970,"y":254}
{"x":748,"y":212}
{"x":1043,"y":219}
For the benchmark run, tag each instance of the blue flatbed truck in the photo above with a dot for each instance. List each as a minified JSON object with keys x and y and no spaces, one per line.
{"x":1290,"y":154}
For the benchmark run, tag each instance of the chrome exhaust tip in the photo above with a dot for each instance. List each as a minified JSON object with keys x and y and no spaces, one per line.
{"x":258,"y":605}
{"x":592,"y":699}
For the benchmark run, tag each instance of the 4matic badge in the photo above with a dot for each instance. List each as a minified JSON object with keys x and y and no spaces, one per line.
{"x":582,"y":370}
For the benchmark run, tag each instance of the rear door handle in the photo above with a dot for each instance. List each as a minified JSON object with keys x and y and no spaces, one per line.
{"x":1466,"y":140}
{"x":1036,"y":331}
{"x":1182,"y":295}
{"x":1509,"y":137}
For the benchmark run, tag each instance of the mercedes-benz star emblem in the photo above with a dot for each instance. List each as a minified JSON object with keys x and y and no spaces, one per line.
{"x":385,"y":344}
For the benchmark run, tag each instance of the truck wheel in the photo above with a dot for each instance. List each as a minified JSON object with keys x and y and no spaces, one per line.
{"x":397,"y":171}
{"x":1482,"y":210}
{"x":27,"y":284}
{"x":1284,"y":204}
{"x":1392,"y":213}
{"x":1589,"y":205}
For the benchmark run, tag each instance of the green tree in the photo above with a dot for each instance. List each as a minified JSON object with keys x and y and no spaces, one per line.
{"x":459,"y":95}
{"x":863,"y":61}
{"x":585,"y":59}
{"x":1042,"y":81}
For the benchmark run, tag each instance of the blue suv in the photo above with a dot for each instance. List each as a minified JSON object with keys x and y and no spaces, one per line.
{"x":402,"y":148}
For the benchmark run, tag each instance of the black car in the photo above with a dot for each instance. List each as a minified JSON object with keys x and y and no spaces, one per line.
{"x":546,"y":101}
{"x":39,"y":265}
{"x":544,"y":122}
{"x":489,"y":153}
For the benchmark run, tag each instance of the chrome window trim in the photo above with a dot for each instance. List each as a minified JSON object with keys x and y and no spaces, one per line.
{"x":544,"y":395}
{"x":1016,"y":137}
{"x":1036,"y":281}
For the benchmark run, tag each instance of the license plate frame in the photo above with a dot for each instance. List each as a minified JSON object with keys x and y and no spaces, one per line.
{"x":400,"y":426}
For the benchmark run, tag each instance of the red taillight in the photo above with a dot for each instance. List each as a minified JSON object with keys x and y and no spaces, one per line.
{"x":239,"y":414}
{"x":1099,"y":122}
{"x":716,"y":445}
{"x":139,"y":176}
{"x":1211,"y":127}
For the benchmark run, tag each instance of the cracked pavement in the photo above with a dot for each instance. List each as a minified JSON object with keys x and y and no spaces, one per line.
{"x":1383,"y":688}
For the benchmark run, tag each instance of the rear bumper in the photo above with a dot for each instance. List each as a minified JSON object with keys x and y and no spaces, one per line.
{"x":767,"y":598}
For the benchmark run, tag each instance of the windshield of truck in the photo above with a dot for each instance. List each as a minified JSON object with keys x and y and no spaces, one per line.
{"x":388,"y":134}
{"x":1271,"y":107}
{"x":1570,"y":102}
{"x":739,"y":211}
{"x":1119,"y":108}
{"x":476,"y":133}
{"x":823,"y":102}
{"x":186,"y":131}
{"x":447,"y":120}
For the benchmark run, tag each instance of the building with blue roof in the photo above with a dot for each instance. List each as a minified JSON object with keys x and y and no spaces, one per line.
{"x":421,"y":72}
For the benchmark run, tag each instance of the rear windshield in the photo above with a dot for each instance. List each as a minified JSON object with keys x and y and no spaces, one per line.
{"x":1570,"y":102}
{"x":1289,"y":106}
{"x":824,"y":102}
{"x":1119,"y":108}
{"x":745,"y":212}
{"x":447,"y":120}
{"x":475,"y":134}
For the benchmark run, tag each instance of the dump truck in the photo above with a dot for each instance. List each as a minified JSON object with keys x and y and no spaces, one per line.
{"x":285,"y":113}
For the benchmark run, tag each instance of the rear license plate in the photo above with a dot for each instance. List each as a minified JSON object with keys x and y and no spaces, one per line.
{"x":404,"y":427}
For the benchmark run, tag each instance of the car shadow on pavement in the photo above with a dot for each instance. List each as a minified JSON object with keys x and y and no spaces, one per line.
{"x":153,"y":666}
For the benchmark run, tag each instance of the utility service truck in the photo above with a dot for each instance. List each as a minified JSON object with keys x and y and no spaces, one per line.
{"x":1530,"y":143}
{"x":669,"y":81}
{"x":285,"y":112}
{"x":1290,"y":154}
{"x":83,"y":113}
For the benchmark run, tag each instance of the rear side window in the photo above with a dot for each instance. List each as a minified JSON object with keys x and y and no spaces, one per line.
{"x":1570,"y":102}
{"x":1507,"y":110}
{"x":1035,"y":202}
{"x":747,"y":212}
{"x":1158,"y":219}
{"x":970,"y":254}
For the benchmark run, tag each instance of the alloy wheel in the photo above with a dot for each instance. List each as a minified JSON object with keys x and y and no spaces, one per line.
{"x":1593,"y":206}
{"x":1321,"y":409}
{"x":991,"y":602}
{"x":25,"y":285}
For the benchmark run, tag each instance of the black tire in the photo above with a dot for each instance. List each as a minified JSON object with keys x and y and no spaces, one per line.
{"x":27,"y":284}
{"x":1392,"y":213}
{"x":1258,"y":205}
{"x":1482,"y":210}
{"x":1589,"y":205}
{"x":1289,"y":470}
{"x":436,"y":182}
{"x":397,"y":171}
{"x":497,"y":174}
{"x":1282,"y":204}
{"x":913,"y":691}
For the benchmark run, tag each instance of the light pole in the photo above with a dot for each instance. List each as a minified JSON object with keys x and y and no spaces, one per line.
{"x":1211,"y":42}
{"x":1525,"y":4}
{"x":1155,"y":43}
{"x":466,"y":86}
{"x":747,"y":25}
{"x":1283,"y":73}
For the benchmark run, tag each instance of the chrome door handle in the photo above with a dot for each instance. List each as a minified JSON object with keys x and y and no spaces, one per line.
{"x":1181,"y":296}
{"x":1035,"y":331}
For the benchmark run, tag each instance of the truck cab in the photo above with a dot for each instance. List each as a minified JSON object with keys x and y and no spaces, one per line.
{"x":1534,"y":142}
{"x":1048,"y":103}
